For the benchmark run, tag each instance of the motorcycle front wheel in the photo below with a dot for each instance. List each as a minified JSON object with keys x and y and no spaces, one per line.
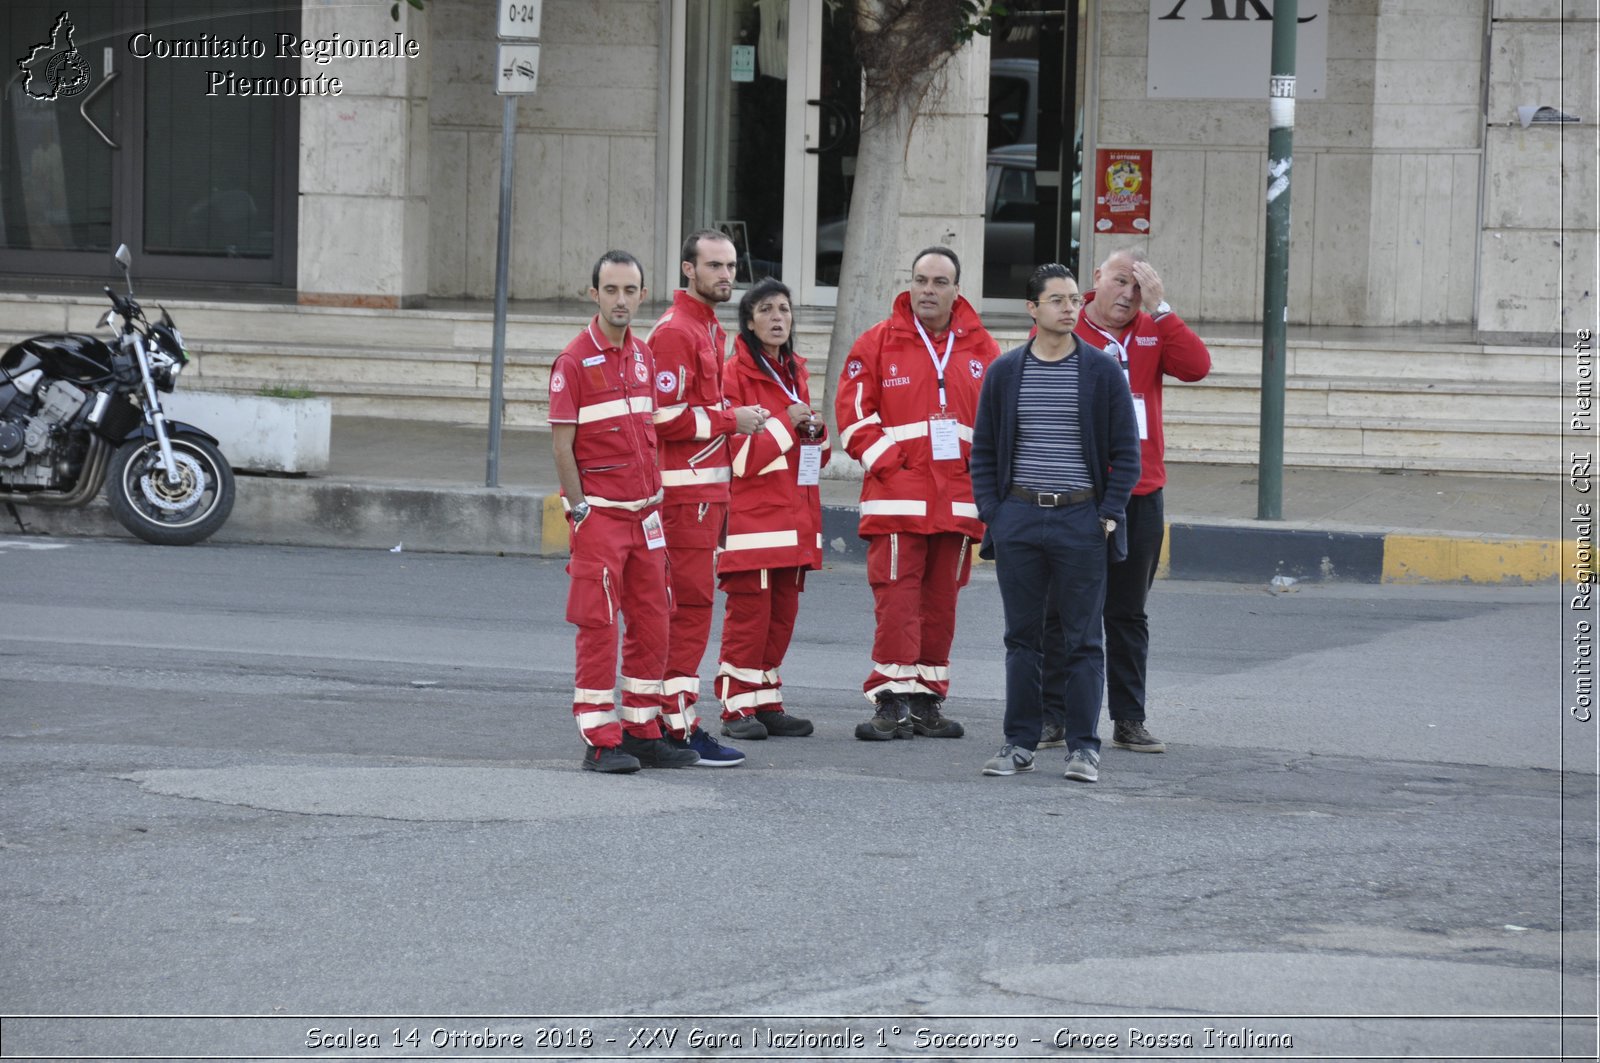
{"x":170,"y":514}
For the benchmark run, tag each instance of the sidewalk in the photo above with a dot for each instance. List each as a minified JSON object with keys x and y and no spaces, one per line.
{"x":420,"y":485}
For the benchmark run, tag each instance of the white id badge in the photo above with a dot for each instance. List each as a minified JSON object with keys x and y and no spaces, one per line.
{"x":810,"y":464}
{"x":1138,"y":412}
{"x":654,"y":537}
{"x":945,"y":437}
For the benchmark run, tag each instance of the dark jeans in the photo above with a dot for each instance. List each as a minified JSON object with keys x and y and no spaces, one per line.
{"x":1059,"y":555}
{"x":1127,"y":625}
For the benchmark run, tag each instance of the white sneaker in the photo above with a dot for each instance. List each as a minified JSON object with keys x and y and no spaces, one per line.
{"x":1009,"y":761}
{"x":1083,"y":765}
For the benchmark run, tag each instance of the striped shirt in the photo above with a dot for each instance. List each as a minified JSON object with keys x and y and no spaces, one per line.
{"x":1049,"y":449}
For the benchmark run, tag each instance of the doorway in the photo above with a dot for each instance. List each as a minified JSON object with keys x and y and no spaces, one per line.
{"x":770,"y":130}
{"x":104,"y":140}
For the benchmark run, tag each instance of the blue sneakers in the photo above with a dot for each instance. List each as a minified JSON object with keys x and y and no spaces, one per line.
{"x":713,"y":754}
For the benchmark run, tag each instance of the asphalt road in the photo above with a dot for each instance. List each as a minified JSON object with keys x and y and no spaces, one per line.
{"x":304,"y":785}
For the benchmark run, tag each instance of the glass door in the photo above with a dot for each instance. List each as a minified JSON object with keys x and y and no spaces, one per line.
{"x":736,"y":80}
{"x":771,"y":120}
{"x":100,"y":146}
{"x":1032,"y":208}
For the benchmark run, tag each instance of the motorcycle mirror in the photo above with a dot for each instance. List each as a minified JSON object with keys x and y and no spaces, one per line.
{"x":125,"y":259}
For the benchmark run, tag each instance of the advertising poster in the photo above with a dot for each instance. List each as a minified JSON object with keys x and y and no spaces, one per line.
{"x":1122,"y":191}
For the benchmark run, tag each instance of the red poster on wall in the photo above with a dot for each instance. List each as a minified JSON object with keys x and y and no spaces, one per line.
{"x":1122,"y":191}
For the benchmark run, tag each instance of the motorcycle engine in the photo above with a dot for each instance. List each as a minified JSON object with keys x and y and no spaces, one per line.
{"x":32,"y":451}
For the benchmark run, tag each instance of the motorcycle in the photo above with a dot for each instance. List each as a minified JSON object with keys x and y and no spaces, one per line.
{"x":77,"y":412}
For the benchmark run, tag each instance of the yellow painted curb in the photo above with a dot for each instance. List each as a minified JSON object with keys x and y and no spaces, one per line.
{"x":1435,"y":559}
{"x":553,"y":529}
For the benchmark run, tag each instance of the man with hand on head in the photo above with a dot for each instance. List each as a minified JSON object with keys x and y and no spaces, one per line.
{"x":694,"y":423}
{"x":1126,"y":314}
{"x":602,"y":398}
{"x":905,"y":404}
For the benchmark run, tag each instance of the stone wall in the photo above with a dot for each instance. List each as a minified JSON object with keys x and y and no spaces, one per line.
{"x":364,"y":166}
{"x":1539,"y":202}
{"x":1385,"y":179}
{"x":585,"y":148}
{"x":943,"y":198}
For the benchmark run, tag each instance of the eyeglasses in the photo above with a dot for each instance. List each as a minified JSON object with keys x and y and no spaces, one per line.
{"x":1055,"y":302}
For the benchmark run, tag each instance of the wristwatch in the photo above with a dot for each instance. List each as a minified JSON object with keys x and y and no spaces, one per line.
{"x":579,"y":512}
{"x":1162,"y":310}
{"x":1108,"y":525}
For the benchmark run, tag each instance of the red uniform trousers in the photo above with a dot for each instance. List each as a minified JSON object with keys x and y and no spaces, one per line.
{"x":915,"y":580}
{"x":757,"y":624}
{"x":693,"y":529}
{"x":616,"y":576}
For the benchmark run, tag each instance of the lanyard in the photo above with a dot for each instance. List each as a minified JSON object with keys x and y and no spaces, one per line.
{"x":1122,"y":347}
{"x":771,"y":371}
{"x":938,"y":363}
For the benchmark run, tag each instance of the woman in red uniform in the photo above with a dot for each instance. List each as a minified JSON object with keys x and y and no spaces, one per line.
{"x":774,"y":519}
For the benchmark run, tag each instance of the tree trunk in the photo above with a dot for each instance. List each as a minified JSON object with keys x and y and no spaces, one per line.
{"x":868,"y":272}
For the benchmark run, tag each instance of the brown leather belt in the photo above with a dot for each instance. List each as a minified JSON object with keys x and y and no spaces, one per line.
{"x":1053,"y":499}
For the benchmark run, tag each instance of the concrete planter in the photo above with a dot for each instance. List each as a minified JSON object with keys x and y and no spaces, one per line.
{"x":257,"y":433}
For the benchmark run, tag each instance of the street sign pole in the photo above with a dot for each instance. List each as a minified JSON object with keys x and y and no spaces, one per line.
{"x":1275,"y":311}
{"x":516,"y":74}
{"x":502,"y":285}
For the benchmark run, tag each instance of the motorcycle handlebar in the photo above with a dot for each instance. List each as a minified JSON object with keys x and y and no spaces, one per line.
{"x":124,"y":305}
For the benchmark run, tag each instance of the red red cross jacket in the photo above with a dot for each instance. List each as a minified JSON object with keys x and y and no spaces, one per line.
{"x":692,"y":419}
{"x":773,"y":521}
{"x":1152,"y":349}
{"x":886,"y":396}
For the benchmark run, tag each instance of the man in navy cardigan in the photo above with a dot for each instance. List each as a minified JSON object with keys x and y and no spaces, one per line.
{"x":1055,"y":456}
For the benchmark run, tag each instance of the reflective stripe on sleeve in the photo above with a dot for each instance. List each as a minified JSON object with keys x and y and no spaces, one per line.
{"x":844,"y":437}
{"x":877,"y":450}
{"x":780,"y":432}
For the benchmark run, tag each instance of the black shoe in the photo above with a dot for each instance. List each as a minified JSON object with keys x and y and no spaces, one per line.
{"x":891,"y":721}
{"x":744,"y":728}
{"x":927,"y":720}
{"x":609,"y":759}
{"x":1054,"y":736}
{"x":780,"y":724}
{"x":1131,"y":734}
{"x":659,"y":753}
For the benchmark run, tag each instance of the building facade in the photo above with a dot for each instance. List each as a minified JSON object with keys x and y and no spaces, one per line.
{"x":1422,"y":192}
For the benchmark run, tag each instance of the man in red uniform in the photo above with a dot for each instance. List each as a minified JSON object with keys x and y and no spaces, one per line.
{"x":1126,"y":315}
{"x":905,"y":405}
{"x":602,"y":398}
{"x":694,"y":424}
